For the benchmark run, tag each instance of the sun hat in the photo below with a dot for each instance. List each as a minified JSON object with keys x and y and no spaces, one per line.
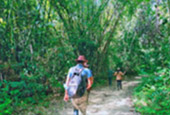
{"x":81,"y":58}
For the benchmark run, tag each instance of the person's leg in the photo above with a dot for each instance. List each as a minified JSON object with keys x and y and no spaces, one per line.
{"x":75,"y":103}
{"x":120,"y":84}
{"x":117,"y":84}
{"x":83,"y":104}
{"x":110,"y":81}
{"x":76,"y":112}
{"x":83,"y":110}
{"x":88,"y":94}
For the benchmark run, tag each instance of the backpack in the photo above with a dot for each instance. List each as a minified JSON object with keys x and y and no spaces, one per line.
{"x":77,"y":83}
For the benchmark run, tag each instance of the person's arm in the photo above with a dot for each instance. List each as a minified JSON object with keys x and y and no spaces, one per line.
{"x":89,"y":78}
{"x":122,"y":73}
{"x":115,"y":74}
{"x":90,"y":82}
{"x":66,"y":97}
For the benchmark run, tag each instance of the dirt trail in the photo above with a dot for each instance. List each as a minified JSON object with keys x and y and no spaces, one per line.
{"x":109,"y":101}
{"x":102,"y":101}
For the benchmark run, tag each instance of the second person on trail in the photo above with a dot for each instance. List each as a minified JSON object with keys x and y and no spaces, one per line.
{"x":110,"y":75}
{"x":79,"y":81}
{"x":119,"y":77}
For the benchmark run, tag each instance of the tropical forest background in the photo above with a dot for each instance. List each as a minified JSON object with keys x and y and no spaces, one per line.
{"x":40,"y":40}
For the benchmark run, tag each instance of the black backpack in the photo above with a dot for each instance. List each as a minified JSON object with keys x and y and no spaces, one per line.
{"x":77,"y":83}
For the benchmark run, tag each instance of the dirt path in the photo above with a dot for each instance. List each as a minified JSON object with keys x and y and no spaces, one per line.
{"x":102,"y":101}
{"x":109,"y":101}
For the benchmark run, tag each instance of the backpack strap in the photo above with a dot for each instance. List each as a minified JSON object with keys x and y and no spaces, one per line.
{"x":80,"y":71}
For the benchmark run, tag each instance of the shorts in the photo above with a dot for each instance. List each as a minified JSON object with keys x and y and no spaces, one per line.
{"x":80,"y":103}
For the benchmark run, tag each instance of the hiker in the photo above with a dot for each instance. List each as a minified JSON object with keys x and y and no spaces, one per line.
{"x":119,"y":78}
{"x":110,"y":73}
{"x":79,"y":81}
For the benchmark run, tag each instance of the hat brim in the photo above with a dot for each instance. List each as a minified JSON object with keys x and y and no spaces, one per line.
{"x":81,"y":60}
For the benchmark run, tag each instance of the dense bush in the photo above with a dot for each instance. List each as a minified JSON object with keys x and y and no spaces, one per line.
{"x":153,"y":93}
{"x":5,"y":100}
{"x":18,"y":93}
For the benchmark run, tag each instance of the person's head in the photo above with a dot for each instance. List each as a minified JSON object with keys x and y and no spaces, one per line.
{"x":118,"y":69}
{"x":81,"y":59}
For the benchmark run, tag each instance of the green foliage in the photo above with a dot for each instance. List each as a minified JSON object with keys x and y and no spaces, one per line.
{"x":5,"y":100}
{"x":152,"y":95}
{"x":40,"y":40}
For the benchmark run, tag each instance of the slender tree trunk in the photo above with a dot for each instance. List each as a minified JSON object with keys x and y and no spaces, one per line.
{"x":168,"y":3}
{"x":169,"y":19}
{"x":157,"y":15}
{"x":101,"y":55}
{"x":1,"y":78}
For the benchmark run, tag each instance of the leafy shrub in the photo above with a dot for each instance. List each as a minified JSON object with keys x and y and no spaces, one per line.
{"x":15,"y":94}
{"x":5,"y":100}
{"x":152,"y":95}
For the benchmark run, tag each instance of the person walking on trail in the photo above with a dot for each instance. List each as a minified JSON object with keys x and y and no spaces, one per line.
{"x":79,"y":81}
{"x":119,"y":78}
{"x":110,"y":75}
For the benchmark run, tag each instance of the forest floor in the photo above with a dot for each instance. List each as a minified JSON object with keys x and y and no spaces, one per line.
{"x":102,"y":101}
